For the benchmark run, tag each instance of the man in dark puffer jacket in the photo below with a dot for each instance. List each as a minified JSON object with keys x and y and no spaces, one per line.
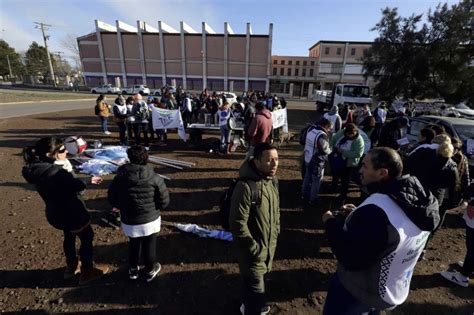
{"x":138,"y":192}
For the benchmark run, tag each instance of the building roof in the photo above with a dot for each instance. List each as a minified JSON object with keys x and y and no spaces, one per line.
{"x":340,"y":42}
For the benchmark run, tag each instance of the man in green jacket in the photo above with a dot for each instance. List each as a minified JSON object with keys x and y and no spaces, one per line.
{"x":255,"y":227}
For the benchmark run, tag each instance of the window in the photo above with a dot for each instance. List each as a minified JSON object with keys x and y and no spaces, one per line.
{"x":275,"y":62}
{"x":290,"y":62}
{"x":303,"y":73}
{"x":282,"y":71}
{"x":312,"y":63}
{"x":326,"y":51}
{"x":274,"y":71}
{"x":297,"y":72}
{"x":311,"y":72}
{"x":297,"y":62}
{"x":282,"y":62}
{"x":339,"y":50}
{"x":305,"y":63}
{"x":353,"y":51}
{"x":288,"y":71}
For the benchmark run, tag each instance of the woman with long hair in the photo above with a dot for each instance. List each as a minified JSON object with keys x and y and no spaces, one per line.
{"x":65,"y":209}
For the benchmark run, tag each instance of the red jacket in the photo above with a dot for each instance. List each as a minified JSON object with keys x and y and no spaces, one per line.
{"x":260,"y":127}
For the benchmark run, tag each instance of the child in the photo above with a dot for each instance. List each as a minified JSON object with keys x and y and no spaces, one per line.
{"x":139,"y":193}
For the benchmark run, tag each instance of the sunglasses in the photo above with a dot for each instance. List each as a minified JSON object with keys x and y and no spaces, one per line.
{"x":62,"y":150}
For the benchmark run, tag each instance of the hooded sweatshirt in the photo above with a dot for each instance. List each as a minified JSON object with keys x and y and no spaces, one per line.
{"x":378,"y":244}
{"x":139,"y":193}
{"x":61,"y":193}
{"x":260,"y":127}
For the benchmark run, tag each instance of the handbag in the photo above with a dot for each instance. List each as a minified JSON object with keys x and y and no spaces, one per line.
{"x":336,"y":162}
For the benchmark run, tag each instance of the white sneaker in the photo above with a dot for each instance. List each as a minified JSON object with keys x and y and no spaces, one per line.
{"x":460,"y":263}
{"x":265,"y":310}
{"x":107,"y":132}
{"x":456,"y":277}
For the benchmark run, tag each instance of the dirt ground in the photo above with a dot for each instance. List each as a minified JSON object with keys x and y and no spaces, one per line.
{"x":199,"y":276}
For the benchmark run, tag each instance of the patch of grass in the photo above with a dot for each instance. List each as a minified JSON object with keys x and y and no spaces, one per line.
{"x":12,"y":96}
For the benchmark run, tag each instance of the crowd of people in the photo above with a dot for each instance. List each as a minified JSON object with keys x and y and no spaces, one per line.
{"x":134,"y":120}
{"x":404,"y":197}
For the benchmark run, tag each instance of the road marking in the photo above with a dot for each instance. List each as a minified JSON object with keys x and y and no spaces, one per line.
{"x":50,"y":101}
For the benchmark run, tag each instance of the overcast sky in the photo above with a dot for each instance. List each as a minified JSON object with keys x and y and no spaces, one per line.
{"x":298,"y":24}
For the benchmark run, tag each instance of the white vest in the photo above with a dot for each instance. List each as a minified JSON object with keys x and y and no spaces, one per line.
{"x":310,"y":143}
{"x":396,"y":268}
{"x":332,"y":119}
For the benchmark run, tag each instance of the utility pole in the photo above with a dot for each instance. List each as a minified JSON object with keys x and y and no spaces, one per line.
{"x":9,"y":67}
{"x":43,"y":26}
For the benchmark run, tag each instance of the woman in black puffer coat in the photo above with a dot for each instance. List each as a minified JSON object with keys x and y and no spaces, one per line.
{"x":139,"y":194}
{"x":65,"y":208}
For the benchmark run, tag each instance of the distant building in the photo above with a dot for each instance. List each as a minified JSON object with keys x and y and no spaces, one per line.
{"x":328,"y":62}
{"x":125,"y":55}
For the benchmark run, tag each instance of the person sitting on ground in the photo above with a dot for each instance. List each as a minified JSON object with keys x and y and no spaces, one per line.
{"x":65,"y":209}
{"x":139,"y":194}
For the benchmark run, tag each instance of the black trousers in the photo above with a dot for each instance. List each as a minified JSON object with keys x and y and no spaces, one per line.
{"x":468,"y":267}
{"x":254,"y":293}
{"x":85,"y":252}
{"x":122,"y":132}
{"x":137,"y":130}
{"x":147,"y":245}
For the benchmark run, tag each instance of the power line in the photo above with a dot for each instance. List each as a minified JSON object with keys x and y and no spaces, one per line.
{"x":45,"y":27}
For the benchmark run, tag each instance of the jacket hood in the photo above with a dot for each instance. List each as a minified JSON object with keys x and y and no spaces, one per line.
{"x":135,"y":173}
{"x":248,"y":171}
{"x":265,"y":112}
{"x":39,"y":172}
{"x":420,"y":206}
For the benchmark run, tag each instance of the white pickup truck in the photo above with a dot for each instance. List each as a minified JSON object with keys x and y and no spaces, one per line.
{"x":342,"y":94}
{"x":105,"y":89}
{"x":140,"y":89}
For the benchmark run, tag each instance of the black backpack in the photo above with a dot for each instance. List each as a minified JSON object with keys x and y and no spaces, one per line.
{"x":226,"y":199}
{"x":96,"y":109}
{"x":304,"y":132}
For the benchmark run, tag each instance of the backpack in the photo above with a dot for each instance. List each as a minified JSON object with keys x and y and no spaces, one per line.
{"x":142,"y":113}
{"x":226,"y":198}
{"x":96,"y":109}
{"x":304,"y":132}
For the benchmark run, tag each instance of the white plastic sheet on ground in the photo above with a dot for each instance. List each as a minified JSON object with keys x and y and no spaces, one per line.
{"x":105,"y":161}
{"x":205,"y":233}
{"x":98,"y":167}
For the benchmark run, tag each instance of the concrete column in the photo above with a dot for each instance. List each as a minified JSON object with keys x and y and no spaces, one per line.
{"x":291,"y":89}
{"x":140,"y":50}
{"x":310,"y":90}
{"x":247,"y":58}
{"x":302,"y":89}
{"x":231,"y":86}
{"x":122,"y":58}
{"x":346,"y":50}
{"x":183,"y":56}
{"x":162,"y":54}
{"x":101,"y":52}
{"x":269,"y":59}
{"x":204,"y":57}
{"x":226,"y":58}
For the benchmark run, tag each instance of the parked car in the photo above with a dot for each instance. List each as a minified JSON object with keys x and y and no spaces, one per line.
{"x":463,"y":110}
{"x":456,"y":127}
{"x":231,"y":97}
{"x":140,"y":89}
{"x":156,"y":92}
{"x":105,"y":89}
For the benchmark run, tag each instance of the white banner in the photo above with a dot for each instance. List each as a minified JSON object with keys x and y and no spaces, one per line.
{"x":168,"y":119}
{"x":280,"y":119}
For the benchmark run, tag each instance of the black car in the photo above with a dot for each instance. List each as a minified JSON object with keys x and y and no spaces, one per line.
{"x":456,"y":127}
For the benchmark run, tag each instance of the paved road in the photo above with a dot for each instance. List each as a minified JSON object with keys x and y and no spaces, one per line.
{"x":26,"y":109}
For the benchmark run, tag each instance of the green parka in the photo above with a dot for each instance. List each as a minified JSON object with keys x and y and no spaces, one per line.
{"x":255,"y":232}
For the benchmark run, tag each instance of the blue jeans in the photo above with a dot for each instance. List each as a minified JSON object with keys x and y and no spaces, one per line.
{"x":313,"y":176}
{"x":103,"y":121}
{"x":340,"y":302}
{"x":225,"y":137}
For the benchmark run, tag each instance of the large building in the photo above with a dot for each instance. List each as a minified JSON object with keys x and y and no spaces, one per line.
{"x":328,"y":62}
{"x":125,"y":55}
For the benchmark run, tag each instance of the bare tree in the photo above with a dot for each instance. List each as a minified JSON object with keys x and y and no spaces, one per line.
{"x":69,"y":43}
